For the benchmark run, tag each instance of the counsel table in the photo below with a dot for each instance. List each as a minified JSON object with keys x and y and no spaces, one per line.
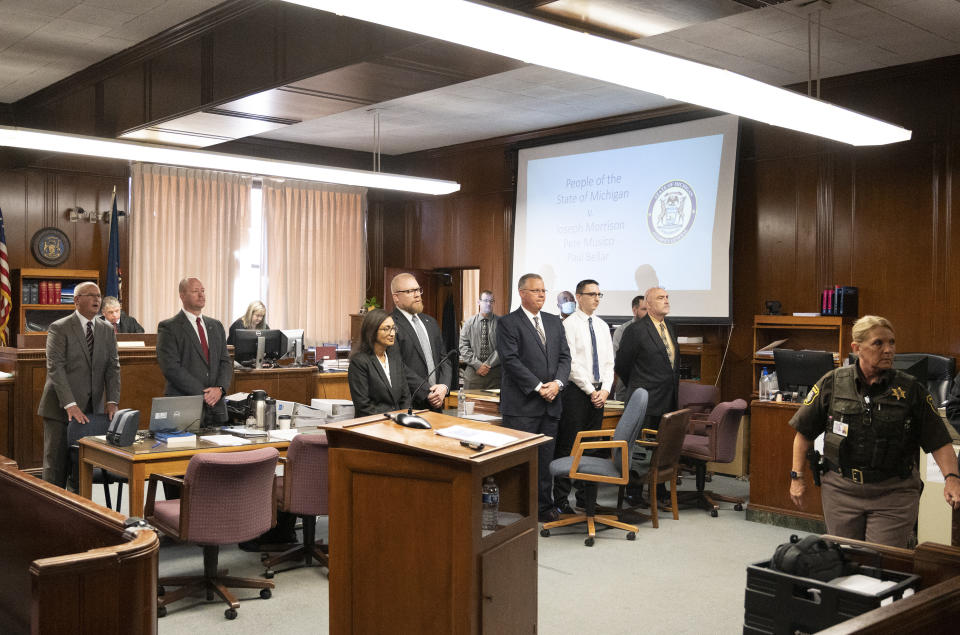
{"x":138,"y":461}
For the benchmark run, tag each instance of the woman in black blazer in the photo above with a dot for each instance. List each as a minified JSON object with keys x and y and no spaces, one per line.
{"x":376,"y":375}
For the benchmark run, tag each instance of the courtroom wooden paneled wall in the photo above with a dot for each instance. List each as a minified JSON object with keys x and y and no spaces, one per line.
{"x":808,"y":213}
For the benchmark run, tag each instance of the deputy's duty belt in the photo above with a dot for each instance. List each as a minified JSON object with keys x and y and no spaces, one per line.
{"x":863,"y":476}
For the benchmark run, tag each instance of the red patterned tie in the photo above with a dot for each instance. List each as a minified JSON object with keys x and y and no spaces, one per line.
{"x":203,"y":340}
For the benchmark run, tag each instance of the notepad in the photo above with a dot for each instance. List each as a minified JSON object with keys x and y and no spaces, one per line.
{"x":225,"y":439}
{"x":486,"y":437}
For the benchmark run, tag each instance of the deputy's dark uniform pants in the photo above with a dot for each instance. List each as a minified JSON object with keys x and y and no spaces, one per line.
{"x":883,"y":512}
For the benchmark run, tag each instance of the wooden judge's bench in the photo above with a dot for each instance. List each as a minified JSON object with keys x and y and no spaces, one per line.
{"x":21,"y":429}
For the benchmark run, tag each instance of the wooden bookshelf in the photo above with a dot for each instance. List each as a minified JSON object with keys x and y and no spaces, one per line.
{"x":818,"y":333}
{"x":34,"y":317}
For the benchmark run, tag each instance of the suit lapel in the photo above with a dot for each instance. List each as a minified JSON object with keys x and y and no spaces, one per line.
{"x":654,"y":334}
{"x":533,"y":331}
{"x":191,"y":333}
{"x":401,"y":320}
{"x":81,"y":339}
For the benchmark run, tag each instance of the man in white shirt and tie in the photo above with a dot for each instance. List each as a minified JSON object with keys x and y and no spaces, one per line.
{"x":591,"y":379}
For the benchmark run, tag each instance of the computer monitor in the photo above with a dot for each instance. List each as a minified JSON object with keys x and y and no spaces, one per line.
{"x":247,"y":342}
{"x":291,"y":344}
{"x":914,"y":364}
{"x":798,"y":371}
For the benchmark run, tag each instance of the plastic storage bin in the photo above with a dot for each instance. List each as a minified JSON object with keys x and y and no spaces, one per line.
{"x":777,"y":602}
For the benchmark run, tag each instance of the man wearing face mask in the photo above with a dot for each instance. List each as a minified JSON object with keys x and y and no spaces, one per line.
{"x":566,"y":304}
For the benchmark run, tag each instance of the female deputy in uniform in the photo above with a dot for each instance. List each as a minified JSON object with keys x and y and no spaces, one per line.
{"x":254,"y":318}
{"x":873,"y":418}
{"x":376,"y":376}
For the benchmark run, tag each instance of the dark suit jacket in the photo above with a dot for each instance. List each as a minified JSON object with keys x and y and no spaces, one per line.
{"x":414,"y":361}
{"x":642,"y":361}
{"x":127,"y":324}
{"x":73,"y":375}
{"x":525,"y":363}
{"x":369,"y":390}
{"x":181,"y":359}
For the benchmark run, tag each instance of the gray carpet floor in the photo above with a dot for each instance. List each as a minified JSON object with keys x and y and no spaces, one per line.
{"x":687,"y":576}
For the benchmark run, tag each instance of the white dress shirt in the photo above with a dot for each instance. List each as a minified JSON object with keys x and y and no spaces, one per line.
{"x":577,"y":330}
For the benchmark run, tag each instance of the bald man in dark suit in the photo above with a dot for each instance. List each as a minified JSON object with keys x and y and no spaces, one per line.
{"x":83,"y":378}
{"x":192,"y":353}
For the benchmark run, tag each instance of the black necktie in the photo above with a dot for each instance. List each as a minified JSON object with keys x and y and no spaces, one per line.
{"x":90,"y":337}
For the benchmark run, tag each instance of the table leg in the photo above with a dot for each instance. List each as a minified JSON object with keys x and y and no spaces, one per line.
{"x":136,"y":491}
{"x":86,"y":475}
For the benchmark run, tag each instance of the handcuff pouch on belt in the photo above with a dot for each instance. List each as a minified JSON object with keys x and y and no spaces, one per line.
{"x":877,"y":442}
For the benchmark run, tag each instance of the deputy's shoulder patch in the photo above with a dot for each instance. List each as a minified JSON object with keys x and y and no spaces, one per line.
{"x":812,"y":395}
{"x":933,"y":406}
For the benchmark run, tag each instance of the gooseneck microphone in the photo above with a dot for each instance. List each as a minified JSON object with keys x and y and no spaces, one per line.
{"x":411,"y":420}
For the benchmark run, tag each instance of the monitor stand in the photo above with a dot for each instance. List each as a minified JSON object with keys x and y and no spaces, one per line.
{"x":260,"y":346}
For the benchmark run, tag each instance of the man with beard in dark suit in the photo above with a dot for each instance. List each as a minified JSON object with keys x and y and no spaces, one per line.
{"x":421,"y":345}
{"x":536,"y":364}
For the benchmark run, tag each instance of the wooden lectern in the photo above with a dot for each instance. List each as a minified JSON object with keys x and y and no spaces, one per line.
{"x":407,"y":554}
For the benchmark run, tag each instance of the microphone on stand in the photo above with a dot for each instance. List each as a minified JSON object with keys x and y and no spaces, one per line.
{"x":410,"y":420}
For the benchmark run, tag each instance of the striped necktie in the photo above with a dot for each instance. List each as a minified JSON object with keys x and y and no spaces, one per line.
{"x":543,"y":337}
{"x":666,"y":341}
{"x":90,"y":337}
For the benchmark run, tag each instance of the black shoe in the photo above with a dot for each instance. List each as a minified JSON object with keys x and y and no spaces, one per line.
{"x":635,"y":500}
{"x":548,"y":516}
{"x":564,"y":508}
{"x":579,"y":505}
{"x":252,"y":546}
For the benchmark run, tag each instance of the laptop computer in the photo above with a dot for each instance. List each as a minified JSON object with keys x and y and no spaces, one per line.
{"x":176,"y":414}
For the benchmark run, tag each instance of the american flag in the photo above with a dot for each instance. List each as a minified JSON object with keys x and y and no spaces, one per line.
{"x":6,"y":305}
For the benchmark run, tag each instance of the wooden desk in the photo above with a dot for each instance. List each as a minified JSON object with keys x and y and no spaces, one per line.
{"x":771,"y":459}
{"x":405,"y":512}
{"x":70,"y":565}
{"x":138,"y":461}
{"x":331,"y":386}
{"x":489,"y":404}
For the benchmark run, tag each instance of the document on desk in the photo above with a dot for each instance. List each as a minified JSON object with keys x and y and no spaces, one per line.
{"x":283,"y":435}
{"x":225,"y":439}
{"x":486,"y":437}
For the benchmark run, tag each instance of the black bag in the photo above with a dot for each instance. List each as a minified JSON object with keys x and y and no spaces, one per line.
{"x":812,"y":557}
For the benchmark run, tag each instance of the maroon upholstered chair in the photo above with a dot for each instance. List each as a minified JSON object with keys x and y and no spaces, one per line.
{"x":713,"y":438}
{"x":303,"y":491}
{"x":663,"y":464}
{"x":226,"y":498}
{"x":698,"y":398}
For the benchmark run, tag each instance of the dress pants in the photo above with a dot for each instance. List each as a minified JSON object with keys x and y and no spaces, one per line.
{"x":883,"y":512}
{"x":578,"y":414}
{"x":56,"y":455}
{"x":545,"y":425}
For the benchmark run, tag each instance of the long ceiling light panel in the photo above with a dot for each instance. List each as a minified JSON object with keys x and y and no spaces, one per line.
{"x":534,"y":42}
{"x":131,"y":151}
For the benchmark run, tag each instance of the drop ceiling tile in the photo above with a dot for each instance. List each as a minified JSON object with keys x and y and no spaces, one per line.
{"x":79,"y":30}
{"x":109,"y":17}
{"x":937,"y":17}
{"x":50,"y":8}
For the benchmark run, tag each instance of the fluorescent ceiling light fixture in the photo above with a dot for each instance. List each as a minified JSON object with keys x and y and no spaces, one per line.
{"x":131,"y":151}
{"x":529,"y":40}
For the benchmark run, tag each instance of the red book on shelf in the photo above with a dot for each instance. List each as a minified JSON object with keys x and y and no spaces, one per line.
{"x":56,"y":294}
{"x":44,"y":290}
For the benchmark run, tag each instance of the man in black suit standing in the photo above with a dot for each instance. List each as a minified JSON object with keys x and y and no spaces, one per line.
{"x":192,"y":353}
{"x":649,"y":357}
{"x":421,"y":345}
{"x":83,"y":378}
{"x":536,"y":364}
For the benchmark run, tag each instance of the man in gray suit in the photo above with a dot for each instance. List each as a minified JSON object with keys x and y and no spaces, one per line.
{"x":192,"y":353}
{"x":83,"y":378}
{"x":478,"y":346}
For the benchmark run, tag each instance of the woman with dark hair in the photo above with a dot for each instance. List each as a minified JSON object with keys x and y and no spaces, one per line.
{"x":376,"y":376}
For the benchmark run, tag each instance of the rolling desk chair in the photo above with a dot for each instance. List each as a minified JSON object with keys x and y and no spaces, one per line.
{"x":713,"y":438}
{"x":593,"y":470}
{"x":226,"y":498}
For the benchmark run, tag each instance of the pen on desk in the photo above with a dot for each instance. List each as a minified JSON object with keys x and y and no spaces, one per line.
{"x":156,"y":445}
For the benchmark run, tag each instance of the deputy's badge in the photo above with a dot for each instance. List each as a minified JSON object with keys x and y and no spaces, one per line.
{"x":899,"y":393}
{"x":812,"y":396}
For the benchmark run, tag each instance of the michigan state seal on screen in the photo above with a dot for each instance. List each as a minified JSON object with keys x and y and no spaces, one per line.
{"x":672,"y":211}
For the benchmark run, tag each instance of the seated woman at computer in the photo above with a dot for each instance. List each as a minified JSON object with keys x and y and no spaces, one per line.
{"x":254,"y":318}
{"x":376,"y":375}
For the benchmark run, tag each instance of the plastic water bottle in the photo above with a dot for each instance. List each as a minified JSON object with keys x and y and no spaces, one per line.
{"x":461,"y":403}
{"x":764,"y":388}
{"x":491,"y":505}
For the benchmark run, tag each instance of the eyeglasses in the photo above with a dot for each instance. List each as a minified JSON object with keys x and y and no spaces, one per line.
{"x":535,"y":291}
{"x":88,"y":295}
{"x":417,"y":291}
{"x":387,"y":329}
{"x":593,"y":294}
{"x":484,"y":301}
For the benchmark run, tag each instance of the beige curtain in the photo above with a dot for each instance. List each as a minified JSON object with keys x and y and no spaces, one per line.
{"x":471,"y":293}
{"x":316,"y":255}
{"x":184,"y":222}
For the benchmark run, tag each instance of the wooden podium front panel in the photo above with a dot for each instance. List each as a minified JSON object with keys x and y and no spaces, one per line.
{"x":503,"y":569}
{"x":771,"y":459}
{"x":403,"y":536}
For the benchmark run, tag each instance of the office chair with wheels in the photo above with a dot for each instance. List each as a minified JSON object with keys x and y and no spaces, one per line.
{"x":697,"y":397}
{"x":593,"y":470}
{"x":97,"y":425}
{"x":226,"y":498}
{"x":713,"y":438}
{"x":303,"y":490}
